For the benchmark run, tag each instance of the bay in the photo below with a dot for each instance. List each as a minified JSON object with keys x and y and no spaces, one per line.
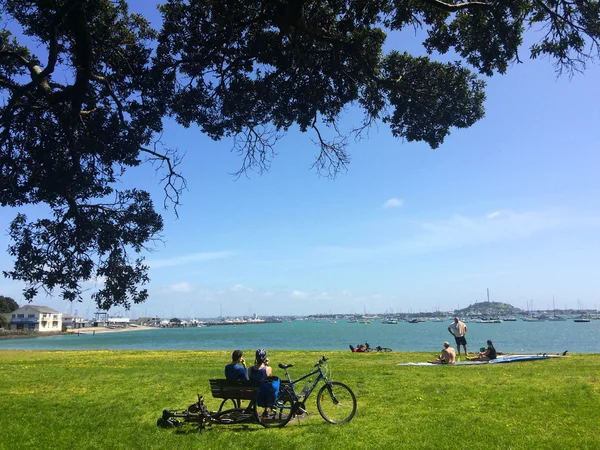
{"x":508,"y":337}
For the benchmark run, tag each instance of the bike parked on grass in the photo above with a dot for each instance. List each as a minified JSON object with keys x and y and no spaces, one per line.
{"x":378,"y":349}
{"x":198,"y":414}
{"x":336,"y":402}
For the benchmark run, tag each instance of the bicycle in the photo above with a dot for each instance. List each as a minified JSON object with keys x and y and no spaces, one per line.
{"x":198,"y":414}
{"x":336,"y":402}
{"x":378,"y":349}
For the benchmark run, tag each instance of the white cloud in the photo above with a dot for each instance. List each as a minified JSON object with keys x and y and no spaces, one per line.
{"x":240,"y":288}
{"x":300,"y":294}
{"x":187,"y":259}
{"x":494,"y":214}
{"x":183,"y":288}
{"x":460,"y":231}
{"x":393,"y":203}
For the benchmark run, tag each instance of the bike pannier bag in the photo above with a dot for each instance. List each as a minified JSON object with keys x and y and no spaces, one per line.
{"x":268,"y":391}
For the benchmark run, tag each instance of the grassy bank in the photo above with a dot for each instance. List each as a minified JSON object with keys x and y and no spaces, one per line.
{"x":112,"y":399}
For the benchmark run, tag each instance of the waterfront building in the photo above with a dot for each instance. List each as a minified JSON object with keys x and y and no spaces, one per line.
{"x":35,"y":318}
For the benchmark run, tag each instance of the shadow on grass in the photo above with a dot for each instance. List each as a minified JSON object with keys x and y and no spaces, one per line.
{"x":238,"y":428}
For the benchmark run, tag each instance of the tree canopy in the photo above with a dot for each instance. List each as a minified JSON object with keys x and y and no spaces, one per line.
{"x":7,"y":304}
{"x":86,"y":86}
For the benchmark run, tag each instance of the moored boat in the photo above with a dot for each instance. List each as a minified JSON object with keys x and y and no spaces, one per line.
{"x":389,"y":320}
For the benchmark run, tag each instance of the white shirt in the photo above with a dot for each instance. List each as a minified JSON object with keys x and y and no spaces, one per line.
{"x":455,"y":330}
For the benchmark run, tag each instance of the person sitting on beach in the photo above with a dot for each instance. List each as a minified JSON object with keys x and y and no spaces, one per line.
{"x":237,"y":369}
{"x":360,"y":348}
{"x":260,"y":369}
{"x":447,"y":356}
{"x":487,"y":355}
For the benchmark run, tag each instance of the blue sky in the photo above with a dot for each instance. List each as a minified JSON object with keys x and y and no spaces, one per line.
{"x":511,"y":204}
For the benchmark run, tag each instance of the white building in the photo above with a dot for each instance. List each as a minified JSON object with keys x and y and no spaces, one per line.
{"x":118,"y":322}
{"x":73,"y":322}
{"x":35,"y":318}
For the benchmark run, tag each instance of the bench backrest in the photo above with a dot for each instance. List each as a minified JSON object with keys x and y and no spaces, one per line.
{"x":243,"y":389}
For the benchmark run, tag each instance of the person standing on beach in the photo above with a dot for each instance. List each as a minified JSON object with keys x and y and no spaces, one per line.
{"x":458,"y":329}
{"x":237,"y":369}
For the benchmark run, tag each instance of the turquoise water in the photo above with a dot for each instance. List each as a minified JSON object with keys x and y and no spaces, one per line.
{"x":513,"y":337}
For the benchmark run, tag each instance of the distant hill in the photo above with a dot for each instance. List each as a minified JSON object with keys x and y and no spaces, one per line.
{"x":489,"y":309}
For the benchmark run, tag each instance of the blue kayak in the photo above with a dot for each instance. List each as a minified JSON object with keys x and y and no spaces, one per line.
{"x":508,"y":359}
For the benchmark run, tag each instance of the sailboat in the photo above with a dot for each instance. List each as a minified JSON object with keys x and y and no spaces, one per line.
{"x":530,"y":318}
{"x":554,"y":317}
{"x":581,"y":319}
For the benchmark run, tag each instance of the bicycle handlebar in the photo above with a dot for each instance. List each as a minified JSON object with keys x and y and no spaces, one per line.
{"x":321,"y":361}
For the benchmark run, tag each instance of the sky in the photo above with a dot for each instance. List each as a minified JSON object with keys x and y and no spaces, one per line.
{"x":510,"y":205}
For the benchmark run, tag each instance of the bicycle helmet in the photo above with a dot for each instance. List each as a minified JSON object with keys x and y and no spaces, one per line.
{"x":261,"y":355}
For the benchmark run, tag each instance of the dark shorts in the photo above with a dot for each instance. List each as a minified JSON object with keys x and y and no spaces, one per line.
{"x":460,"y":340}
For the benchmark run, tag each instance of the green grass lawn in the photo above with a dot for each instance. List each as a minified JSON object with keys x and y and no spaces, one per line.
{"x":112,"y":399}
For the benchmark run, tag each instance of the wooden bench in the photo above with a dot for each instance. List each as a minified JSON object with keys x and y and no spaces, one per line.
{"x":237,"y":390}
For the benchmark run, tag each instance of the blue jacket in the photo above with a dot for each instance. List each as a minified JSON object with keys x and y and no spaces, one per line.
{"x":235,"y":372}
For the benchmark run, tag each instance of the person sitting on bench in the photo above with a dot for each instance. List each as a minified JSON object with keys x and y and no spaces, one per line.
{"x":260,"y":369}
{"x":237,"y":369}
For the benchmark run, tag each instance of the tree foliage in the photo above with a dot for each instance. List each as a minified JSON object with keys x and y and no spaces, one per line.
{"x":70,"y":128}
{"x":7,"y":304}
{"x":86,"y":86}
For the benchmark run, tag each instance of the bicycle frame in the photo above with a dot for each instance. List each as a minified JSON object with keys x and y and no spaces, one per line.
{"x":292,"y":383}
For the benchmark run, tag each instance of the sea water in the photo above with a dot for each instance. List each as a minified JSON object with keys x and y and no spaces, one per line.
{"x":508,"y":337}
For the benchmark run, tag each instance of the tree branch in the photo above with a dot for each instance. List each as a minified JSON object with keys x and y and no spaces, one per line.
{"x":333,"y":157}
{"x":454,"y":7}
{"x":174,"y":183}
{"x":256,"y":147}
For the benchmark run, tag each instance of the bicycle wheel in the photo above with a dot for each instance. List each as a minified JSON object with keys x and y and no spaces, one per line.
{"x":385,"y":349}
{"x":336,"y":403}
{"x":234,"y":415}
{"x":229,"y":403}
{"x":279,"y":414}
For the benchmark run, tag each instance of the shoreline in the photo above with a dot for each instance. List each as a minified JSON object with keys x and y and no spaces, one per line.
{"x":92,"y":331}
{"x":100,"y":330}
